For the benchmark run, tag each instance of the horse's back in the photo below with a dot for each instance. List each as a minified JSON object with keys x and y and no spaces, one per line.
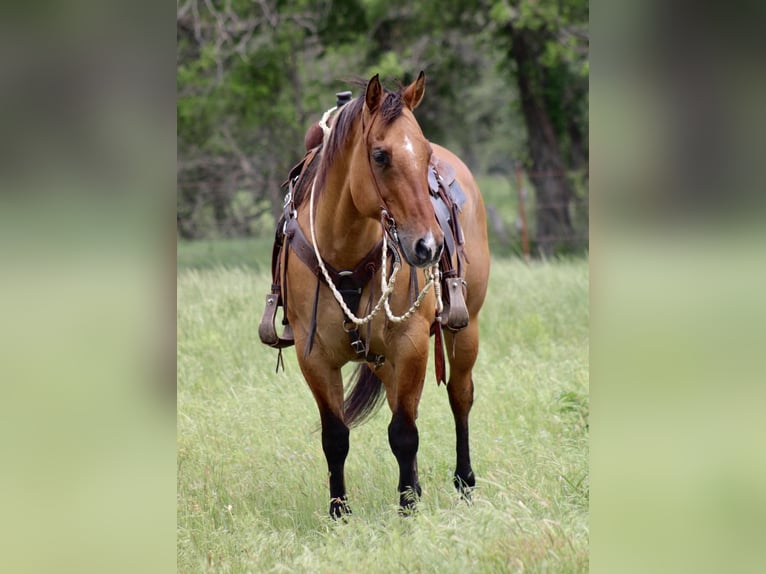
{"x":473,"y":221}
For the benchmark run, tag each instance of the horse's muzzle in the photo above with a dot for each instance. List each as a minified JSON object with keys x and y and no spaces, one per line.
{"x":423,"y":252}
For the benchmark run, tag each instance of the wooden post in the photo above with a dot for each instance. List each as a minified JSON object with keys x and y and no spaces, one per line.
{"x":522,"y":212}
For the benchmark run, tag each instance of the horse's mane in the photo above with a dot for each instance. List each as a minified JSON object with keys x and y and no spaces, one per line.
{"x":390,"y":109}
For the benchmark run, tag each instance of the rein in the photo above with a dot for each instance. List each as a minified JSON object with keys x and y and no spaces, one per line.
{"x":387,"y":286}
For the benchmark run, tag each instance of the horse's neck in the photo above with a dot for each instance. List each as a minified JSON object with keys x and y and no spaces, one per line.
{"x":344,"y":235}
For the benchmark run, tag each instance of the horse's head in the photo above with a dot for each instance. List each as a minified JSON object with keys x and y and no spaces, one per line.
{"x":392,"y":159}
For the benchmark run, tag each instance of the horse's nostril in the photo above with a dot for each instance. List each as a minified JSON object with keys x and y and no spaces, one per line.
{"x":423,"y":250}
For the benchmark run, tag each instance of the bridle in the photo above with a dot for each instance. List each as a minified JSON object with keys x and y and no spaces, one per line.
{"x":387,"y":220}
{"x":388,"y":225}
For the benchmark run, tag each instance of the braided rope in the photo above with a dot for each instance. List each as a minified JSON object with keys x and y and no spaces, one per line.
{"x":387,"y":288}
{"x":324,"y":126}
{"x":416,"y":305}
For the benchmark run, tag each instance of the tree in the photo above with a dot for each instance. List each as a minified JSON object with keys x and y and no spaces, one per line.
{"x":546,"y":48}
{"x":252,"y":76}
{"x":243,"y":86}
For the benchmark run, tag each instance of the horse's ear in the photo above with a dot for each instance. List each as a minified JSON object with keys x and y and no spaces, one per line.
{"x":373,"y":93}
{"x":414,"y":92}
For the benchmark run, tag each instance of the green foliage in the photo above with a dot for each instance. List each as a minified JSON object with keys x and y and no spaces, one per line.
{"x":557,"y":33}
{"x":389,"y":66}
{"x":251,"y":77}
{"x":345,"y":22}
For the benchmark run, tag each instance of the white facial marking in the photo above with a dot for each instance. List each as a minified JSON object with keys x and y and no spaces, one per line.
{"x":408,"y":145}
{"x":430,"y":242}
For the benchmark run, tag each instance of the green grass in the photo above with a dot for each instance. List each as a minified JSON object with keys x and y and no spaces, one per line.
{"x":251,"y":253}
{"x":252,"y":480}
{"x":501,"y":194}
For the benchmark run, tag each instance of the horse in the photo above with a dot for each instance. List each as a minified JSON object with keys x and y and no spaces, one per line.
{"x":362,"y":205}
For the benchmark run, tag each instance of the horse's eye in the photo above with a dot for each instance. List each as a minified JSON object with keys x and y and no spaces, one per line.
{"x":381,"y":157}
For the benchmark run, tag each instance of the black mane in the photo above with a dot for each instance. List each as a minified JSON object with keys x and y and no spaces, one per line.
{"x":390,"y":109}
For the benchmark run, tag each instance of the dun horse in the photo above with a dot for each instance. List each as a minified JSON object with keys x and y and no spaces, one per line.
{"x":382,"y":244}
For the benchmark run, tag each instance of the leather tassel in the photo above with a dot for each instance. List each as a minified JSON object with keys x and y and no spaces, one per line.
{"x":440,"y":367}
{"x":280,"y":362}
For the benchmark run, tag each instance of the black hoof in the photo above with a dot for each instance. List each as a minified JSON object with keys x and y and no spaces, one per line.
{"x":339,"y":508}
{"x":408,"y":500}
{"x":464,"y":484}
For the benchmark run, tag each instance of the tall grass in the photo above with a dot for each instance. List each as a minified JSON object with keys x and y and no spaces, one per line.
{"x":252,"y":480}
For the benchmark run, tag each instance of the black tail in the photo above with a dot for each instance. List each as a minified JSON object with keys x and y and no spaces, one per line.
{"x":364,"y":398}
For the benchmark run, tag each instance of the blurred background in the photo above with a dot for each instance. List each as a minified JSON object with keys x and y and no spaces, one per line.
{"x":90,"y":219}
{"x":507,"y":90}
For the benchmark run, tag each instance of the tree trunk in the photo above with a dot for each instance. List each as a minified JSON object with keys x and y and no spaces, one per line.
{"x":220,"y":200}
{"x":548,"y":173}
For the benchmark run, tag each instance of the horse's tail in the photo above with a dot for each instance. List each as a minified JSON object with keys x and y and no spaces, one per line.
{"x":364,"y":398}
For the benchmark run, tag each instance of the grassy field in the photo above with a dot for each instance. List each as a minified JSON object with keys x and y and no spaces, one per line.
{"x":252,"y":488}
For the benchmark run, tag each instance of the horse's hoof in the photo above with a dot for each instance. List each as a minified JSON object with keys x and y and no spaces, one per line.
{"x":408,"y":500}
{"x":407,"y":511}
{"x":408,"y":505}
{"x":464,"y":485}
{"x":339,"y":508}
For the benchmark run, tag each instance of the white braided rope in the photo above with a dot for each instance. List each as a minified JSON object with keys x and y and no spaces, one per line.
{"x":387,"y":287}
{"x":416,"y":305}
{"x":323,"y":124}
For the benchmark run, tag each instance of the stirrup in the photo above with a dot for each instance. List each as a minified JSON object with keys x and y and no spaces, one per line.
{"x":455,"y":313}
{"x":267,"y":330}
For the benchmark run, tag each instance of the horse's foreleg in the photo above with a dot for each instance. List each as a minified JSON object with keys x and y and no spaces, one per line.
{"x":460,"y":391}
{"x":403,"y":438}
{"x":335,"y":445}
{"x":326,"y":385}
{"x":404,"y":396}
